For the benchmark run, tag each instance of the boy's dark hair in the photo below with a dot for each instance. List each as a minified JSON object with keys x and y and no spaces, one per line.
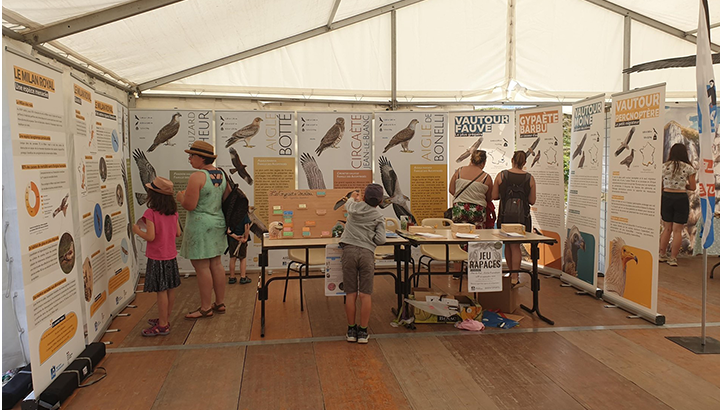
{"x":373,"y":194}
{"x":164,"y":204}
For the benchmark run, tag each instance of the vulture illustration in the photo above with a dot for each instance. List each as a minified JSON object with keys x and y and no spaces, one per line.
{"x":332,"y":136}
{"x":620,"y":255}
{"x":313,"y":173}
{"x":629,"y":159}
{"x":400,"y":203}
{"x":403,"y":137}
{"x":276,"y":229}
{"x":168,"y":131}
{"x":342,"y":201}
{"x":240,"y":168}
{"x":537,"y":158}
{"x":258,"y":226}
{"x":147,"y":173}
{"x":532,"y":148}
{"x":582,"y":161}
{"x":474,"y":147}
{"x":625,"y":144}
{"x":579,"y":148}
{"x":63,"y":206}
{"x":245,"y":133}
{"x":573,"y":244}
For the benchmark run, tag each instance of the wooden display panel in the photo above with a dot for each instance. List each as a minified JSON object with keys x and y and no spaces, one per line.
{"x":307,"y":213}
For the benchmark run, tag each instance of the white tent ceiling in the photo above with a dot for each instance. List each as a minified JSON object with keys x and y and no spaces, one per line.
{"x":447,"y":50}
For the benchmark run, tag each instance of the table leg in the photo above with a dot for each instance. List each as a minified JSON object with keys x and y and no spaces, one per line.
{"x":447,"y":258}
{"x":398,"y":279}
{"x":262,"y":292}
{"x":535,"y":284}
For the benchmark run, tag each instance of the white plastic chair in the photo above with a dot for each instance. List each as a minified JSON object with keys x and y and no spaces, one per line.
{"x":297,"y":257}
{"x":437,"y":252}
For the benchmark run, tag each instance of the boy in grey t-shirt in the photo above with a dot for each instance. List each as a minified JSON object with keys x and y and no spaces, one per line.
{"x":364,"y":230}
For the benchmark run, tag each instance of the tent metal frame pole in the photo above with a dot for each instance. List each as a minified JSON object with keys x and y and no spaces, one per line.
{"x":393,"y":60}
{"x":275,"y":45}
{"x":99,"y":18}
{"x":329,"y":24}
{"x":684,"y":35}
{"x":627,"y":46}
{"x":510,"y":45}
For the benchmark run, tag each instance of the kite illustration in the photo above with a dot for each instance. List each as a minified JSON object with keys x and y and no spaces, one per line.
{"x":579,"y":148}
{"x":147,"y":173}
{"x":332,"y":136}
{"x":313,"y":173}
{"x":240,"y":168}
{"x":403,"y":137}
{"x":625,"y":144}
{"x":168,"y":131}
{"x":474,"y":147}
{"x":63,"y":206}
{"x":400,"y":203}
{"x":245,"y":133}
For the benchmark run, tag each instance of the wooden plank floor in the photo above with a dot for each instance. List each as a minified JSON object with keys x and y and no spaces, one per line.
{"x":218,"y":363}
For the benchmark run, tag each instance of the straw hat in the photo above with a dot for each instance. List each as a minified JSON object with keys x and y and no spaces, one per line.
{"x":202,"y":149}
{"x":161,"y":185}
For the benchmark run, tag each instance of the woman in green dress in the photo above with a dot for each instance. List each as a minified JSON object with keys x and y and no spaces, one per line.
{"x":204,"y":236}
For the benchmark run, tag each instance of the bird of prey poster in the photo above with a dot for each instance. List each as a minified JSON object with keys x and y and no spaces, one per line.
{"x":587,"y":141}
{"x":634,"y":186}
{"x":257,"y":150}
{"x":539,"y":134}
{"x":411,"y":156}
{"x":490,"y":131}
{"x":335,"y":150}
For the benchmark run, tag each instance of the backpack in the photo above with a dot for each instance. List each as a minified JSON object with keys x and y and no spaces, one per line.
{"x":514,"y":209}
{"x":235,"y":206}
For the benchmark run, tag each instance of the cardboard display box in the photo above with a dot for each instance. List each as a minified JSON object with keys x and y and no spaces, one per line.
{"x":506,"y":301}
{"x":462,"y":307}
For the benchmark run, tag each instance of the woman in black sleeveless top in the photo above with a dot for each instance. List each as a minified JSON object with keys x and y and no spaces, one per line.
{"x":515,"y":175}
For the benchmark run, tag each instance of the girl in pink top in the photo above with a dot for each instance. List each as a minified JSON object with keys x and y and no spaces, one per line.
{"x":161,"y":275}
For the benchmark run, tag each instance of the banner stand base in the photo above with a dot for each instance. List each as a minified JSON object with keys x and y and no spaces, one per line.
{"x":694,"y":344}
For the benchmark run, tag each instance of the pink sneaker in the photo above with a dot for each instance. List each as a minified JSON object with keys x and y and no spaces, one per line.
{"x":156,"y":330}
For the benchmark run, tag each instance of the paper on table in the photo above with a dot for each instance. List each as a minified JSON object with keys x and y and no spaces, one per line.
{"x":466,"y":235}
{"x":429,"y":235}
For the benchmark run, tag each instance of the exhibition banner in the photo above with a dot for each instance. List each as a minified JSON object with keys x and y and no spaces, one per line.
{"x":485,"y":266}
{"x":124,"y":119}
{"x":411,"y":163}
{"x":159,"y":139}
{"x":257,"y":150}
{"x":333,"y":271}
{"x":492,"y":131}
{"x":113,"y":210}
{"x":634,"y":191}
{"x":335,"y":150}
{"x":582,"y":223}
{"x":540,"y":135}
{"x":36,"y":108}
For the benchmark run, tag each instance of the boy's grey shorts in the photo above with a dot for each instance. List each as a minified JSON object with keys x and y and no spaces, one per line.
{"x":358,"y":265}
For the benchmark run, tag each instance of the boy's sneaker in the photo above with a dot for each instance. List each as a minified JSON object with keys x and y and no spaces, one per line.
{"x":245,"y":280}
{"x":352,"y":334}
{"x":672,"y":261}
{"x":362,"y":335}
{"x":663,"y":257}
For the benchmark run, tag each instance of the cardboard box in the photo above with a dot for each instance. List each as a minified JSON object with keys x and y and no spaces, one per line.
{"x":465,"y":307}
{"x":506,"y":301}
{"x":423,"y":229}
{"x":513,"y":228}
{"x":462,"y":228}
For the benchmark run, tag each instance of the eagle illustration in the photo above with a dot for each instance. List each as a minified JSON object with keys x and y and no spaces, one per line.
{"x":573,"y":244}
{"x":629,"y":159}
{"x":625,"y":144}
{"x":403,"y":137}
{"x":245,"y":133}
{"x":400,"y":203}
{"x":579,"y":148}
{"x":616,"y":272}
{"x":332,"y":136}
{"x":63,"y":206}
{"x":166,"y":132}
{"x":240,"y":168}
{"x":147,"y":173}
{"x":474,"y":147}
{"x":532,"y":148}
{"x":313,"y":173}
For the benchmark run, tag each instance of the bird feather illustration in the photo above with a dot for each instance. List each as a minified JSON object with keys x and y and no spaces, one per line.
{"x":342,"y":201}
{"x":245,"y":133}
{"x":313,"y":173}
{"x":626,"y":143}
{"x":400,"y":202}
{"x":474,"y":147}
{"x":537,"y":158}
{"x":147,"y":173}
{"x":402,"y":137}
{"x":332,"y":136}
{"x":168,"y":131}
{"x":239,"y":167}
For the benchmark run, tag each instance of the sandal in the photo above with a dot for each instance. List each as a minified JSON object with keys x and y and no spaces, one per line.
{"x":156,"y":331}
{"x":203,"y":314}
{"x":232,"y":281}
{"x":155,"y":322}
{"x":219,"y":308}
{"x":245,"y":280}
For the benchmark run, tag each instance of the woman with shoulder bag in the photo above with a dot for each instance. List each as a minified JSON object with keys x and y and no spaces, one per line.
{"x":471,"y":188}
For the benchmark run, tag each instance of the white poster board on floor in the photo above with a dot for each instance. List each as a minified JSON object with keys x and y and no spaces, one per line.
{"x":333,"y":271}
